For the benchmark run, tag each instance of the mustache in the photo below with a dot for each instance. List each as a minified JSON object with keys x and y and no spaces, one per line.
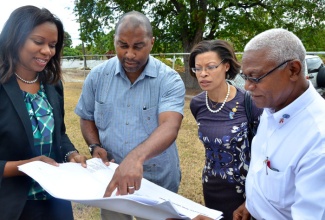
{"x":129,"y":60}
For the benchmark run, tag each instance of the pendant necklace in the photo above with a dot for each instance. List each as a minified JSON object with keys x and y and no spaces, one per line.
{"x":223,"y":103}
{"x":213,"y":105}
{"x":26,"y":81}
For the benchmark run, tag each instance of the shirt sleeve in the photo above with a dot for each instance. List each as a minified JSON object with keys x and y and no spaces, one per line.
{"x":86,"y":105}
{"x":172,"y":93}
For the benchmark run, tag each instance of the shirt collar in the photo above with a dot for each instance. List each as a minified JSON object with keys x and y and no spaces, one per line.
{"x":284,"y":115}
{"x":148,"y":70}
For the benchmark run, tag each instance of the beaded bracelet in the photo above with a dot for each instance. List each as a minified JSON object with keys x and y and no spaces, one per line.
{"x":68,"y":154}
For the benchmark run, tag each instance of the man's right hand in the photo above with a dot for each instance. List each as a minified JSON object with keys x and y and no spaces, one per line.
{"x":102,"y":153}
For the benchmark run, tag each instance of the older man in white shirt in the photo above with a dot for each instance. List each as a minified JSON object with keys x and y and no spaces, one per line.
{"x":286,"y":178}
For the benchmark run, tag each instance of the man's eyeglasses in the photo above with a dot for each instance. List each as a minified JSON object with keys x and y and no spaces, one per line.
{"x":257,"y":80}
{"x":207,"y":69}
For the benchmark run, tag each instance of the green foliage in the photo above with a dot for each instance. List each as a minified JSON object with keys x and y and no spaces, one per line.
{"x":70,"y":52}
{"x":67,"y":40}
{"x":313,"y":39}
{"x":239,"y":56}
{"x":168,"y":62}
{"x":103,"y":43}
{"x":179,"y":62}
{"x":180,"y":24}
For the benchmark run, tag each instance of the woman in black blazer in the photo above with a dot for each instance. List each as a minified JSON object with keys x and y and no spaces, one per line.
{"x":32,"y":113}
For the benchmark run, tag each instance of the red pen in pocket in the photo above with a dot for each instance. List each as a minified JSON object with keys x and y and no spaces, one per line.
{"x":268,"y":164}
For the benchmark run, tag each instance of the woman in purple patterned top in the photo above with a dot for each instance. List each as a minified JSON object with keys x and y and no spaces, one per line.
{"x":222,"y":125}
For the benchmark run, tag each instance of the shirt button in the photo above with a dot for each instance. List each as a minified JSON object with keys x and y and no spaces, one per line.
{"x":127,"y":123}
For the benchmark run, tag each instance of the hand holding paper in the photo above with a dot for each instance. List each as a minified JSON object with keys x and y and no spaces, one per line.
{"x":70,"y":181}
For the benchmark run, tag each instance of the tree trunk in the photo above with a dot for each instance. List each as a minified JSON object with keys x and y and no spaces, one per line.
{"x":190,"y":81}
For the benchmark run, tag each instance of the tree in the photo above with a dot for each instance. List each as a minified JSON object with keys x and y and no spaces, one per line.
{"x":180,"y":24}
{"x":68,"y":50}
{"x":71,"y":53}
{"x":67,"y":40}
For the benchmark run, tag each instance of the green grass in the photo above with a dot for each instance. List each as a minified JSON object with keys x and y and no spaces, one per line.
{"x":190,"y":149}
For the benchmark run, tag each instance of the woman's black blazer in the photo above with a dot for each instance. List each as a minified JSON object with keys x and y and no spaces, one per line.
{"x":17,"y":143}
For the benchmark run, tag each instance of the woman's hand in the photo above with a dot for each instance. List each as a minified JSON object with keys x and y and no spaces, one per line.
{"x":11,"y":167}
{"x":44,"y":159}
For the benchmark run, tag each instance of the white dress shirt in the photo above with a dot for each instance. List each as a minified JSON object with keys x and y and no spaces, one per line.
{"x":293,"y":140}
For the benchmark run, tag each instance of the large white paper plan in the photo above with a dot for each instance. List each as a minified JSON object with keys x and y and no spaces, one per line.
{"x":70,"y":181}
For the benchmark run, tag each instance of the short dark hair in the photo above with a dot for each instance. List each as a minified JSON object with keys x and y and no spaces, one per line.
{"x":135,"y":19}
{"x":223,"y":49}
{"x":19,"y":25}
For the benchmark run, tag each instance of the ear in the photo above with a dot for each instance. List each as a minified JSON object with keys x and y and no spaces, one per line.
{"x":227,"y":65}
{"x":295,"y":68}
{"x":152,"y":41}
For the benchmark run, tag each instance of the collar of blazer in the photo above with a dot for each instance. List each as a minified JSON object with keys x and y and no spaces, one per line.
{"x":56,"y":100}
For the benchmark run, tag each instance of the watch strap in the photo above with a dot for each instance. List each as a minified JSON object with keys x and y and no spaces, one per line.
{"x":92,"y":146}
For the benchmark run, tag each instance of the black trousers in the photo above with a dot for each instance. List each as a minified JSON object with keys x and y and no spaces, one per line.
{"x":52,"y":209}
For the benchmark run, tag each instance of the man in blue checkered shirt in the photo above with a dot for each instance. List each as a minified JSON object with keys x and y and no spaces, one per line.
{"x":131,"y":108}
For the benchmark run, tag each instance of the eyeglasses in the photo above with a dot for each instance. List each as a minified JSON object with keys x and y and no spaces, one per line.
{"x":207,"y":69}
{"x":257,"y":80}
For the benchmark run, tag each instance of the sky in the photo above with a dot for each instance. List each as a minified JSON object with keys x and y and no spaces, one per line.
{"x":61,"y":8}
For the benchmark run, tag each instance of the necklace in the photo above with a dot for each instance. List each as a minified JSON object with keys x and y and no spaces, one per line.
{"x":213,"y":105}
{"x":26,"y":81}
{"x":223,"y":103}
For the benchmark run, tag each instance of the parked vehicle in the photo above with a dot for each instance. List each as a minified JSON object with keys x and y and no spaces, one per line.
{"x":315,"y":72}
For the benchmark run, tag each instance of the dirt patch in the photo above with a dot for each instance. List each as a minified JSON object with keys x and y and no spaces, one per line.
{"x":74,"y":75}
{"x":76,"y":72}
